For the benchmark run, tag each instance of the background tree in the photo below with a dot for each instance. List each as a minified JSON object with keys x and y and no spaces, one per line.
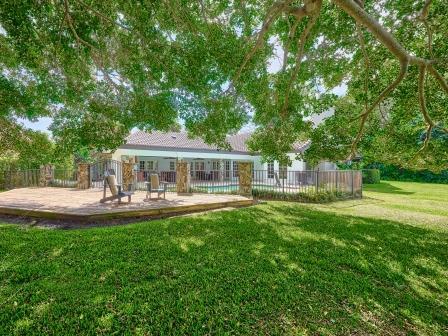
{"x":101,"y":68}
{"x":26,"y":149}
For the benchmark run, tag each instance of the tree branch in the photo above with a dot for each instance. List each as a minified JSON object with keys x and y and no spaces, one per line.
{"x":272,"y":14}
{"x":366,"y":64}
{"x":392,"y":86}
{"x":422,"y":101}
{"x":425,"y":10}
{"x":102,"y":16}
{"x":291,"y":34}
{"x":438,"y":77}
{"x":384,"y":36}
{"x":95,"y":57}
{"x":300,"y":51}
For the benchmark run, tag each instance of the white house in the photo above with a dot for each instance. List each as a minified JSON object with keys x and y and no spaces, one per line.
{"x":158,"y":152}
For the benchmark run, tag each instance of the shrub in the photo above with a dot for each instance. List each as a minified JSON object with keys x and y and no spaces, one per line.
{"x":394,"y":173}
{"x":310,"y":197}
{"x":370,"y":176}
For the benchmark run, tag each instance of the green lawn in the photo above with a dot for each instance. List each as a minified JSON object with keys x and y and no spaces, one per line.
{"x":375,"y":266}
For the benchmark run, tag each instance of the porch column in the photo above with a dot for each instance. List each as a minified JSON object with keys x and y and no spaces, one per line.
{"x":182,"y":177}
{"x":83,"y":176}
{"x":128,"y":174}
{"x":221,"y":170}
{"x":245,"y":178}
{"x":46,"y":175}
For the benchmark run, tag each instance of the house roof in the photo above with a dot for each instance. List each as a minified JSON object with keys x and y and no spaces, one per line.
{"x":178,"y":141}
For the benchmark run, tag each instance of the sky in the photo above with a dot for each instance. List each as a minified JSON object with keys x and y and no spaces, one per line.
{"x":41,"y":124}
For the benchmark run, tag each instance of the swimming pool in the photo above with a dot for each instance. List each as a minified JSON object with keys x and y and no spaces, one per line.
{"x":218,"y":188}
{"x":230,"y":188}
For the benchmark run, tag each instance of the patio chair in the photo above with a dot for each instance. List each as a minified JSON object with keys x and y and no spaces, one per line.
{"x":115,"y":189}
{"x":155,"y":186}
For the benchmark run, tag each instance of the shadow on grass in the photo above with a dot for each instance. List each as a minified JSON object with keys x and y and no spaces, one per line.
{"x":387,"y":188}
{"x":277,"y":268}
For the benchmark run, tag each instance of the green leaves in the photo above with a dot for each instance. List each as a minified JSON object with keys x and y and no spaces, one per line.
{"x":112,"y":66}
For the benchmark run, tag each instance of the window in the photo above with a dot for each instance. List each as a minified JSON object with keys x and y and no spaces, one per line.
{"x":142,"y":165}
{"x":216,"y":165}
{"x":270,"y":169}
{"x":227,"y":165}
{"x":283,"y":172}
{"x":199,"y":165}
{"x":172,"y":165}
{"x":227,"y":169}
{"x":150,"y":165}
{"x":235,"y":168}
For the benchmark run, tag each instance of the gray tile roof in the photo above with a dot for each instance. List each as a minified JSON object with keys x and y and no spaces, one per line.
{"x":181,"y":141}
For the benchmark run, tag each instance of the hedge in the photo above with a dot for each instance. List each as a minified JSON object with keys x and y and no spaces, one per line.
{"x":370,"y":176}
{"x":302,"y":197}
{"x":394,"y":173}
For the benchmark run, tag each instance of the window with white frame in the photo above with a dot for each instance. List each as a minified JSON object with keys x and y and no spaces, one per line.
{"x":283,"y":172}
{"x":199,"y":165}
{"x":141,"y":165}
{"x":216,"y":165}
{"x":235,"y":168}
{"x":172,"y":165}
{"x":270,"y":169}
{"x":150,"y":165}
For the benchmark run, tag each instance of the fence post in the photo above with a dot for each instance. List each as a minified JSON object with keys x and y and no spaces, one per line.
{"x":317,"y":181}
{"x":182,"y":177}
{"x":83,"y":180}
{"x":128,"y":174}
{"x":245,"y":178}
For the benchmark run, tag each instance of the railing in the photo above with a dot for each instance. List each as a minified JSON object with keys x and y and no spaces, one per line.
{"x":143,"y":176}
{"x":99,"y":168}
{"x":214,"y":182}
{"x":265,"y":183}
{"x":344,"y":182}
{"x":10,"y":179}
{"x":64,"y":178}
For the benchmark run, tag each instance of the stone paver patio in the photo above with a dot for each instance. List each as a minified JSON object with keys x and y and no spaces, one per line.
{"x":71,"y":203}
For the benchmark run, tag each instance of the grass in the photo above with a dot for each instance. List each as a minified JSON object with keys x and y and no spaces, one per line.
{"x":421,"y":204}
{"x":376,"y":266}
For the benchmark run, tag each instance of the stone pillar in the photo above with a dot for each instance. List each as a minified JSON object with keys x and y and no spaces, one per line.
{"x":221,"y":170}
{"x":46,"y":175}
{"x":245,"y":178}
{"x":83,"y":176}
{"x":182,"y":177}
{"x":128,"y":174}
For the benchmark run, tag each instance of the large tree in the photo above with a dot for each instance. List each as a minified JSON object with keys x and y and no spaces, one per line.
{"x":100,"y":68}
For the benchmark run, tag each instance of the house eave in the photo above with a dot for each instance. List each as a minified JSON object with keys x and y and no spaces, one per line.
{"x":183,"y":149}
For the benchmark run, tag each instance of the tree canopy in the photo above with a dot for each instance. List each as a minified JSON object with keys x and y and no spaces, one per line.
{"x":101,"y":68}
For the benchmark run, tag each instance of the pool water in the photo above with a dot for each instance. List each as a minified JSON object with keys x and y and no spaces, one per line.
{"x":229,"y":188}
{"x":213,"y":189}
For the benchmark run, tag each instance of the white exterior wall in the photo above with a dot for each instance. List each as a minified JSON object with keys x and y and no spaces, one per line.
{"x":163,"y":159}
{"x":297,"y":165}
{"x":182,"y":155}
{"x":326,"y":165}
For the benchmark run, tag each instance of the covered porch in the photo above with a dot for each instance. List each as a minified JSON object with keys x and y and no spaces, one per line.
{"x":205,"y":165}
{"x":201,"y":169}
